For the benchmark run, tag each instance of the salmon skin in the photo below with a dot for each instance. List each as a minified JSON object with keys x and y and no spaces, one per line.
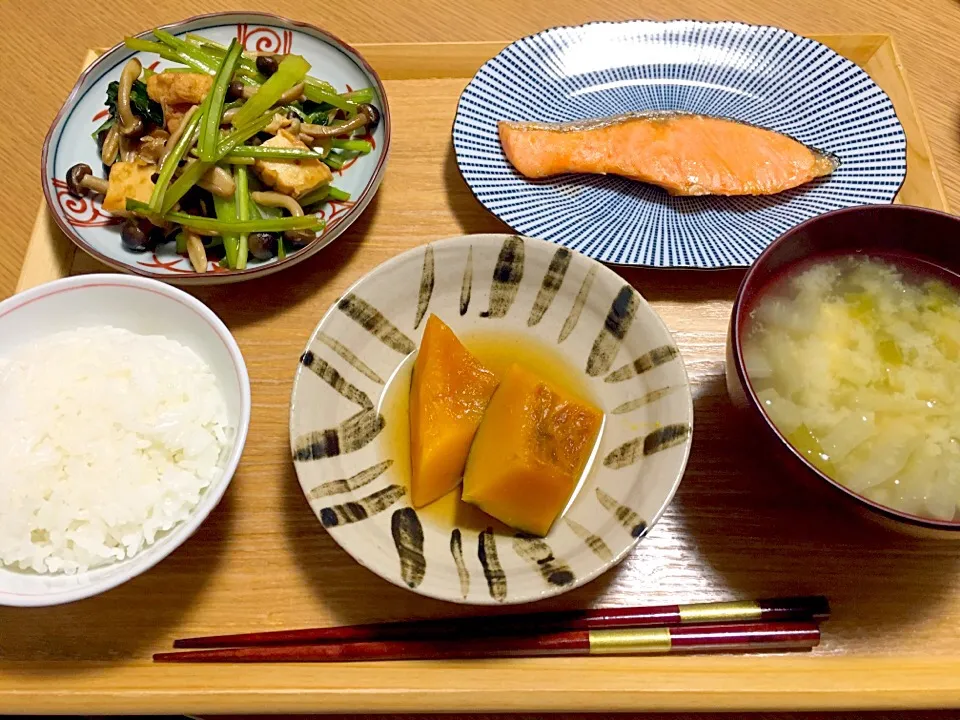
{"x":684,"y":153}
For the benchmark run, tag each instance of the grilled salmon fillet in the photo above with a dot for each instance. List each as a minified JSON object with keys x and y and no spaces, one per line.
{"x":683,"y":153}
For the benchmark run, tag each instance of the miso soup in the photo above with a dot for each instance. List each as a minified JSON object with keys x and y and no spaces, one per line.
{"x":856,"y":361}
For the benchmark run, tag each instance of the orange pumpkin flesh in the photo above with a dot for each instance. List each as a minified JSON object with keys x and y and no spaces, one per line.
{"x":529,"y":452}
{"x":448,"y":394}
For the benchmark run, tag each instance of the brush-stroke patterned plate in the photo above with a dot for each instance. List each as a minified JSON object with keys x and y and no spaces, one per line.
{"x":69,"y":142}
{"x":762,"y":75}
{"x":595,"y":321}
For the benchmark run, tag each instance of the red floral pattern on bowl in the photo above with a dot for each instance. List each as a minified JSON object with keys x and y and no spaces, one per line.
{"x":69,"y":142}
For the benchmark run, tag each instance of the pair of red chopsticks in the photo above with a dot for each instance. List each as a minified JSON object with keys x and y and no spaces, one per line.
{"x":776,"y":624}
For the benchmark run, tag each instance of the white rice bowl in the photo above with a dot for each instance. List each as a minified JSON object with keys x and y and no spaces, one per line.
{"x":109,"y":499}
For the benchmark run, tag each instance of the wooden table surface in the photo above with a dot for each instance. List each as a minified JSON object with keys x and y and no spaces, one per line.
{"x":45,"y":42}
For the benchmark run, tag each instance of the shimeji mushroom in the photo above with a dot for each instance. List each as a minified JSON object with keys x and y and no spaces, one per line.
{"x":130,"y":124}
{"x":139,"y":235}
{"x":298,"y":238}
{"x":292,"y":95}
{"x":195,"y":250}
{"x":80,"y":180}
{"x":127,"y":152}
{"x":217,"y":181}
{"x":267,"y":64}
{"x":262,"y":245}
{"x":111,"y":146}
{"x":367,"y":116}
{"x":238,"y":91}
{"x":228,"y":115}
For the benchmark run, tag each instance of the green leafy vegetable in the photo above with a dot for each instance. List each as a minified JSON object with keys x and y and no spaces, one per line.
{"x":242,"y":179}
{"x":213,"y":49}
{"x":140,"y":103}
{"x":322,"y":194}
{"x":241,"y":134}
{"x":204,"y":42}
{"x":226,"y":209}
{"x":190,"y":54}
{"x":273,"y":153}
{"x":320,"y":92}
{"x":335,"y":161}
{"x":172,"y":161}
{"x":142,"y":45}
{"x":292,"y":70}
{"x":337,"y":194}
{"x":200,"y":222}
{"x":316,"y":196}
{"x":363,"y":95}
{"x":361,"y":146}
{"x":181,"y":186}
{"x":313,"y":112}
{"x":182,"y":242}
{"x":99,"y":133}
{"x":290,"y":222}
{"x":210,"y":128}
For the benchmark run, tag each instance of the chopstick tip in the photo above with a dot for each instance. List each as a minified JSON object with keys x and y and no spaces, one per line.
{"x":820,"y":607}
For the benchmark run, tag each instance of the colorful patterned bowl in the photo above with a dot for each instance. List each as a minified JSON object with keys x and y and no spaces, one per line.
{"x":69,"y":142}
{"x":353,"y":477}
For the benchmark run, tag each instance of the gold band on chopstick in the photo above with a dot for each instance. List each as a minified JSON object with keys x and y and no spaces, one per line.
{"x":630,"y":640}
{"x":720,"y":612}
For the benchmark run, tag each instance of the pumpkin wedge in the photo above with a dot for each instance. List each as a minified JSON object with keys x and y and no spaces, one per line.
{"x":448,"y":394}
{"x":529,"y":452}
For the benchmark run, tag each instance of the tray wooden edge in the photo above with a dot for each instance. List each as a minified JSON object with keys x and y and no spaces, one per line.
{"x":50,"y":254}
{"x":669,"y":684}
{"x":651,"y":684}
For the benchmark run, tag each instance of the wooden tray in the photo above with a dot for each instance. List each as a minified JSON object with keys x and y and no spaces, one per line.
{"x":262,"y":561}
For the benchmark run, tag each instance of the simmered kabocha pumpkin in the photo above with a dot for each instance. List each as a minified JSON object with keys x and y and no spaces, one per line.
{"x":449,"y":392}
{"x":529,"y":452}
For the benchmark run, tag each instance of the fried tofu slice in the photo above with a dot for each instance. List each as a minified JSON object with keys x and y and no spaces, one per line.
{"x":179,"y":88}
{"x":293,"y":177}
{"x":173,"y":116}
{"x":128,"y":180}
{"x":177,"y":93}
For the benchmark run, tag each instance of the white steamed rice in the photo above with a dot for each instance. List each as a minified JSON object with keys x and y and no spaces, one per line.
{"x":108,"y":439}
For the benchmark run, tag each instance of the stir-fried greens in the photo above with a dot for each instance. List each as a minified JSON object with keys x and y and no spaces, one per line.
{"x":229,"y":154}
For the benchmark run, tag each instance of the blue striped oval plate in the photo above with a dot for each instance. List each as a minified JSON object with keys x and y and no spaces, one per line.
{"x":761,"y":75}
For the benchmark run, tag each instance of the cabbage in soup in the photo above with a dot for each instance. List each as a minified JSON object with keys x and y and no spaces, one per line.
{"x":857,"y":363}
